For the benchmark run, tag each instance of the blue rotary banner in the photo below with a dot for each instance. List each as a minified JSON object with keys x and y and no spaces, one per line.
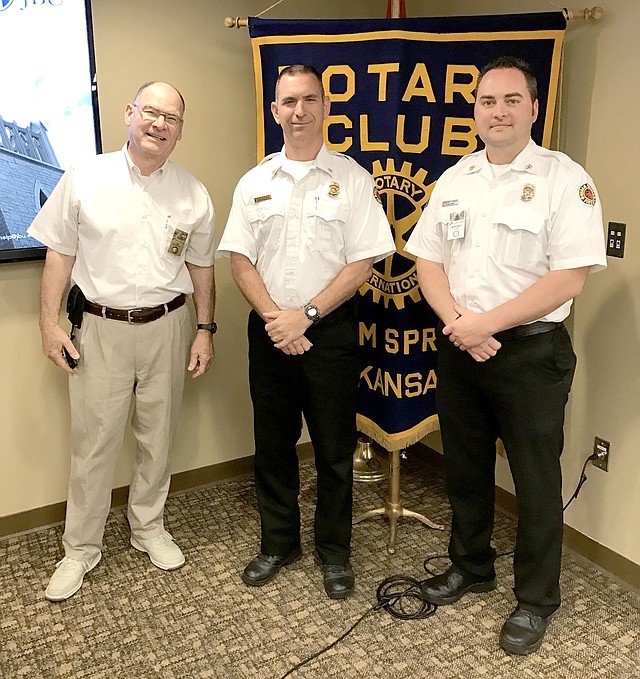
{"x":402,"y":105}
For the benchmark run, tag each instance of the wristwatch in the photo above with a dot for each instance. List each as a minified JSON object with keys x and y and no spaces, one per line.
{"x":211,"y":327}
{"x":312,"y":313}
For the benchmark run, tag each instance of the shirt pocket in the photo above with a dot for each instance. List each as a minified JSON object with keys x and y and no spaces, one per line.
{"x":327,"y":218}
{"x":517,"y":237}
{"x":267,"y":223}
{"x":176,"y":239}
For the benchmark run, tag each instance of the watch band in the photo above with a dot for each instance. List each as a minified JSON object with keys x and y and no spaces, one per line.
{"x":211,"y":327}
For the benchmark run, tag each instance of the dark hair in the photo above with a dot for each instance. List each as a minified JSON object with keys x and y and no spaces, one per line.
{"x":155,"y":82}
{"x":512,"y":62}
{"x":300,"y":69}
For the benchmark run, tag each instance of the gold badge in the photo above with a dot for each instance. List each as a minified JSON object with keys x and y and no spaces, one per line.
{"x":179,"y":238}
{"x":261,"y":199}
{"x":528,"y":192}
{"x":587,"y":194}
{"x":334,"y":189}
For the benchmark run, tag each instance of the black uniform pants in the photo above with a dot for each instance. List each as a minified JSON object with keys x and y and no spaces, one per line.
{"x":322,"y":384}
{"x":519,"y":396}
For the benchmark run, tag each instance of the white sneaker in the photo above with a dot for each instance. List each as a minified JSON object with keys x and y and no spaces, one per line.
{"x":68,"y":576}
{"x":162,"y":550}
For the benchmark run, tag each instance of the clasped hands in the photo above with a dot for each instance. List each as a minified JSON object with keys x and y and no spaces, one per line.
{"x":469,"y":333}
{"x":286,"y":330}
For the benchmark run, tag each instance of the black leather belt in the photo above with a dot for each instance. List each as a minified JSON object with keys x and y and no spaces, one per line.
{"x":528,"y":330}
{"x":135,"y":316}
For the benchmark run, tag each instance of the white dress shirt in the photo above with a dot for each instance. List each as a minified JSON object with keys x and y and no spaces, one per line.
{"x":299,"y":226}
{"x":497,"y":233}
{"x":120,"y":225}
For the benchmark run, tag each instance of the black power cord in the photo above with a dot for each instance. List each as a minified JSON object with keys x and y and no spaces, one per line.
{"x":401,"y":595}
{"x":583,"y":478}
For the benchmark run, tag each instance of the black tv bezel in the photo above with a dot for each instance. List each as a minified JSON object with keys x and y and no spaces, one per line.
{"x":37,"y":253}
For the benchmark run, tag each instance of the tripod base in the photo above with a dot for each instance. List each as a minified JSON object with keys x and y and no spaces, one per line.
{"x":393,"y":508}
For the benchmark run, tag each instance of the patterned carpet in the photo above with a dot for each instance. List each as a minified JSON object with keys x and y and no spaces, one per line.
{"x":133,"y":621}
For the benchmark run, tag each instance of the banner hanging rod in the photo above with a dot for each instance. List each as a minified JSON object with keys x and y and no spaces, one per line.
{"x":591,"y":14}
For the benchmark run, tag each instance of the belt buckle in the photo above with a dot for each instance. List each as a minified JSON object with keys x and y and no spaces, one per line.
{"x":129,"y":312}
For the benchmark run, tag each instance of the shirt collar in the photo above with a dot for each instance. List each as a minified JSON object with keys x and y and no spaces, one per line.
{"x":323,"y":161}
{"x":525,"y":161}
{"x":135,"y":170}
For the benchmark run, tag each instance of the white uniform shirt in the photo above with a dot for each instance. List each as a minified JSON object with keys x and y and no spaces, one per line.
{"x":299,"y":234}
{"x":119,"y":225}
{"x":498,"y":233}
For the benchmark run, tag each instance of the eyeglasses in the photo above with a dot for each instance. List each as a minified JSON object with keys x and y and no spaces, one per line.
{"x":150,"y":113}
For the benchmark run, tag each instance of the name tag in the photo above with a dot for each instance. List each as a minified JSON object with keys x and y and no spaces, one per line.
{"x":455,"y":226}
{"x":176,"y":246}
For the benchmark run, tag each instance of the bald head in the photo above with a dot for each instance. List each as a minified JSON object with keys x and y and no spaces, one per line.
{"x":142,"y":88}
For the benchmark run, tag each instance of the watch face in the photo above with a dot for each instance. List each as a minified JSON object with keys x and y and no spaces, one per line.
{"x":312,"y":313}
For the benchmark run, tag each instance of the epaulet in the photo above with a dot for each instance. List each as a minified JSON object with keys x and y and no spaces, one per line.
{"x":266,"y":159}
{"x":469,"y":158}
{"x":344,"y":155}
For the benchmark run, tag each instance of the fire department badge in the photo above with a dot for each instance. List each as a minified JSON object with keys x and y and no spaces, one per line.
{"x":528,"y":192}
{"x":587,"y":194}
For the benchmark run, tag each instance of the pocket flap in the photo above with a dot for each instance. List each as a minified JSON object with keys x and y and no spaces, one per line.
{"x":519,"y":219}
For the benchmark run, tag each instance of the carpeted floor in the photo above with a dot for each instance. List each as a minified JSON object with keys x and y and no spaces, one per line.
{"x":133,"y":621}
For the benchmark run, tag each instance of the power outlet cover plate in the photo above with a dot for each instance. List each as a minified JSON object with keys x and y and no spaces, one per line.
{"x":602,"y":449}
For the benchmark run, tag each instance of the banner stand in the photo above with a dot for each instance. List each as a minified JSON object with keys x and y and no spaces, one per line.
{"x":393,"y":509}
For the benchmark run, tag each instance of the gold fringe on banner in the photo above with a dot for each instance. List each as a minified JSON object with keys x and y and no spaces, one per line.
{"x":401,"y":440}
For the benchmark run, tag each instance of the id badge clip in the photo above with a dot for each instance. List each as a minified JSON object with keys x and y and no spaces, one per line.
{"x":455,"y":226}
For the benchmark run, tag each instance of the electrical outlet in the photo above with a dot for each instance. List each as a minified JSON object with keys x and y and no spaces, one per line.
{"x":601,"y":449}
{"x":616,"y":235}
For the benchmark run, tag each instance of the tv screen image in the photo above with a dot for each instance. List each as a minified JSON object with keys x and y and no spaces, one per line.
{"x":48,"y":109}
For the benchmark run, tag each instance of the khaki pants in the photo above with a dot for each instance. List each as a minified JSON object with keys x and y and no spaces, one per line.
{"x":119,"y":361}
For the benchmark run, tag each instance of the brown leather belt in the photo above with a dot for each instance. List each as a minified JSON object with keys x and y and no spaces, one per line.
{"x":520,"y":331}
{"x":135,"y":316}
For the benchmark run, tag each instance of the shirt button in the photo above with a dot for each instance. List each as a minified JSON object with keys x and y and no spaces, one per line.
{"x":477,"y":245}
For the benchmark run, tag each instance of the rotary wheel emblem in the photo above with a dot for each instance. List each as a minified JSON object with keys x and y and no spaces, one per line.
{"x":403,"y":196}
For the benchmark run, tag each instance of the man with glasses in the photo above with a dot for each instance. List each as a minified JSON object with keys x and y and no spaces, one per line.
{"x":134,"y":234}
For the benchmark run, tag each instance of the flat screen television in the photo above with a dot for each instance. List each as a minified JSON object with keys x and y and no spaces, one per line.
{"x":48,"y":109}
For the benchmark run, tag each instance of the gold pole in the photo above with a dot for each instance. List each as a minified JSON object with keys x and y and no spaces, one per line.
{"x":393,"y":509}
{"x":595,"y":13}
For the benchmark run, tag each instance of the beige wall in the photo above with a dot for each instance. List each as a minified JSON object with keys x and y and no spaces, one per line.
{"x":187,"y":44}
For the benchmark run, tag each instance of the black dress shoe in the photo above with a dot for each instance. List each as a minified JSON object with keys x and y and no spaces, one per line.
{"x":523,"y":632}
{"x":451,"y":585}
{"x":264,"y":568}
{"x":339,"y":580}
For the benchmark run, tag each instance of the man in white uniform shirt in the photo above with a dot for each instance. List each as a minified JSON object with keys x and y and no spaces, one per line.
{"x":135,"y":234}
{"x":505,"y":244}
{"x":303,"y":234}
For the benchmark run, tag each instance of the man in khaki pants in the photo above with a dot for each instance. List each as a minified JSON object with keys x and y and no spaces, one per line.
{"x":135,"y":235}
